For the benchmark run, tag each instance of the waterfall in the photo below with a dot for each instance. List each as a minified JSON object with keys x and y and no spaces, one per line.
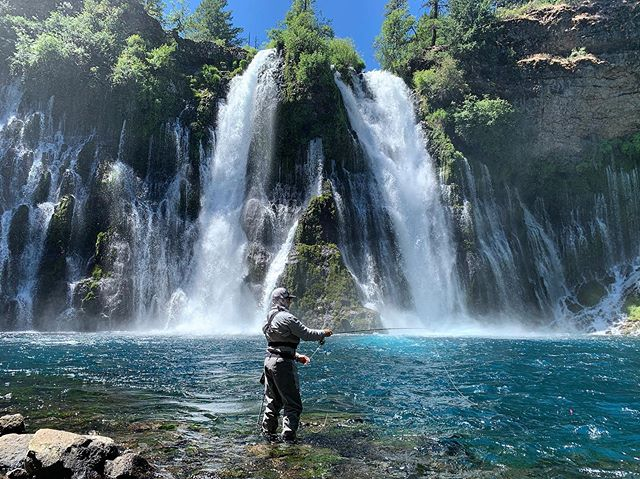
{"x":219,"y":300}
{"x":381,"y":112}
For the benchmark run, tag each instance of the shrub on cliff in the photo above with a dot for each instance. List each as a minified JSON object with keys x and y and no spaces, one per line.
{"x":70,"y":45}
{"x":150,"y":74}
{"x":483,"y":122}
{"x":440,"y":85}
{"x":344,"y":57}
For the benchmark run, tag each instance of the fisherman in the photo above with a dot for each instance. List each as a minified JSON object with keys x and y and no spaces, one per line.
{"x":281,"y":385}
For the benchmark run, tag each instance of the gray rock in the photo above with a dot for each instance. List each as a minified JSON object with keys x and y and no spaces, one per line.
{"x":48,"y":446}
{"x":87,"y":456}
{"x":13,"y":450}
{"x":18,"y":473}
{"x":11,"y":424}
{"x":128,"y":466}
{"x":55,"y":453}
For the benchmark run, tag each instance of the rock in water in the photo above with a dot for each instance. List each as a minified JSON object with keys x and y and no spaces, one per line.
{"x":13,"y":451}
{"x":11,"y":424}
{"x":128,"y":466}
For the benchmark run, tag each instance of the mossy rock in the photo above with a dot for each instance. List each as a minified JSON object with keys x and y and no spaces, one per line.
{"x":632,"y":307}
{"x":591,"y":293}
{"x":51,"y":290}
{"x":318,"y":224}
{"x":328,"y":295}
{"x":41,"y":193}
{"x":19,"y":230}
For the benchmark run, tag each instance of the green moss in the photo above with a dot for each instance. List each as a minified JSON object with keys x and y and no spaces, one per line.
{"x":632,"y":307}
{"x":633,"y":313}
{"x":327,"y":293}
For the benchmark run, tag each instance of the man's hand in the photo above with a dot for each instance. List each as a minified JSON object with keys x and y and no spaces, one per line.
{"x":328,"y":332}
{"x":301,"y":358}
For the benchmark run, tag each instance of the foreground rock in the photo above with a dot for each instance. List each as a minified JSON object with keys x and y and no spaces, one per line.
{"x":51,"y":453}
{"x":13,"y":451}
{"x":11,"y":424}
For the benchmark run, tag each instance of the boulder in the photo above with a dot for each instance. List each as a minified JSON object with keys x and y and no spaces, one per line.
{"x":17,"y":473}
{"x":47,"y":447}
{"x":128,"y":466}
{"x":87,"y":456}
{"x":13,"y":423}
{"x":66,"y":454}
{"x":13,"y":450}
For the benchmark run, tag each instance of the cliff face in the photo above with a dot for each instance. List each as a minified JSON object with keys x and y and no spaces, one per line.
{"x":553,"y":207}
{"x":578,"y":74}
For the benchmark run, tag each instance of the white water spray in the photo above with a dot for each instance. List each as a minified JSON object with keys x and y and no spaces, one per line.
{"x":395,"y":147}
{"x":218,"y":299}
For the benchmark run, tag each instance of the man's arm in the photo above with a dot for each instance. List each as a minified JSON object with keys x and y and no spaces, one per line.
{"x":304,"y":333}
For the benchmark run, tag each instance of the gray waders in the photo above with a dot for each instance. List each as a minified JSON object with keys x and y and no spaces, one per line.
{"x":281,"y":391}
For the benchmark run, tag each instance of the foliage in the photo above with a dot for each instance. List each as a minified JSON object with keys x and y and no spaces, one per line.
{"x":467,"y":26}
{"x":68,"y":45}
{"x":442,"y":84}
{"x":392,"y":45}
{"x":208,"y":86}
{"x":483,"y":123}
{"x":344,"y":57}
{"x":149,"y":73}
{"x":177,"y":19}
{"x":211,"y":22}
{"x":578,"y":53}
{"x":624,"y":152}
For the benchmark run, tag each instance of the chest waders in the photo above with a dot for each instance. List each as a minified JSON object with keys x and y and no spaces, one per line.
{"x":281,"y":388}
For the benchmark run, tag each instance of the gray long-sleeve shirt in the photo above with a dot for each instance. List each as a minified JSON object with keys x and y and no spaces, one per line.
{"x":286,"y":328}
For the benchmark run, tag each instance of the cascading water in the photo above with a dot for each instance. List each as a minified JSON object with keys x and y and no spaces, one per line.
{"x":218,"y":299}
{"x":382,"y":114}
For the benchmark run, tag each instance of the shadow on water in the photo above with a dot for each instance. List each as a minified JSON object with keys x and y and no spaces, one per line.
{"x":375,"y":406}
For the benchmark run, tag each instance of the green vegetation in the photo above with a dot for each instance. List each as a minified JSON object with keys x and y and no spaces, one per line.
{"x":309,"y":49}
{"x":392,"y":45}
{"x":70,"y":46}
{"x":483,"y":123}
{"x":212,"y":22}
{"x":149,"y":75}
{"x":622,"y":152}
{"x":113,"y":52}
{"x":311,"y":102}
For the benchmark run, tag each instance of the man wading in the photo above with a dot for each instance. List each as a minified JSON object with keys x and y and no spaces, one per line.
{"x":281,"y":385}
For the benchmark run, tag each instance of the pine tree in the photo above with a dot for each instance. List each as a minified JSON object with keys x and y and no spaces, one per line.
{"x":392,"y":44}
{"x":211,"y":22}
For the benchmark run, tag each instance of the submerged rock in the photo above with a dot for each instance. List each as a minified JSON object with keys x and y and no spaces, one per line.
{"x":128,"y":466}
{"x":13,"y":423}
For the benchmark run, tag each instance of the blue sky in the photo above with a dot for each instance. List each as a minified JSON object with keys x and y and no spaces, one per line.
{"x":357,"y":19}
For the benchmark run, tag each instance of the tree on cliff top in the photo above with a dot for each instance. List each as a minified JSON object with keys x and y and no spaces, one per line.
{"x":211,"y":22}
{"x":392,"y":44}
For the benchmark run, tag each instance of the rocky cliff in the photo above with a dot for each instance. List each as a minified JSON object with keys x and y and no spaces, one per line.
{"x":578,"y":79}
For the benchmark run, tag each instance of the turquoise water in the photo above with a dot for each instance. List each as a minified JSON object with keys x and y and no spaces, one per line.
{"x":565,"y":407}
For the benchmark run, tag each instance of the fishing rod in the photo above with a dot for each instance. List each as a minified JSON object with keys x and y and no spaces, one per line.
{"x":373,"y":330}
